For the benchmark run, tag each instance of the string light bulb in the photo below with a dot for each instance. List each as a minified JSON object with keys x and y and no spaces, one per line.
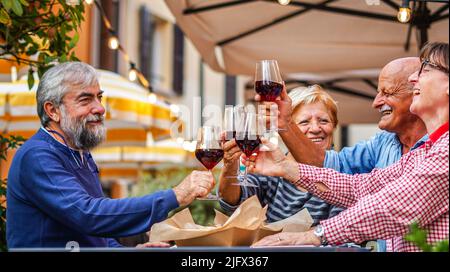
{"x":152,"y":98}
{"x":404,"y":12}
{"x":113,"y":42}
{"x":284,"y":2}
{"x":175,"y":109}
{"x":132,"y":73}
{"x":404,"y":15}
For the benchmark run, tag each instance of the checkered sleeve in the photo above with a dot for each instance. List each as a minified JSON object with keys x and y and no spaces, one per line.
{"x":344,"y":189}
{"x":420,"y":195}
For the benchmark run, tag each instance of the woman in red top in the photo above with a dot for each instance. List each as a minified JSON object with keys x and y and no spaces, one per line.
{"x":384,"y":203}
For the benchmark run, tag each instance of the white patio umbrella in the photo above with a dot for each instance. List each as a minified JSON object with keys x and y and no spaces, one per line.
{"x":312,"y":36}
{"x":340,"y":44}
{"x":354,"y":92}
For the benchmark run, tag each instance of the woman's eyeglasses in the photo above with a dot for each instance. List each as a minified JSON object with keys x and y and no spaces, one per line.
{"x":435,"y":66}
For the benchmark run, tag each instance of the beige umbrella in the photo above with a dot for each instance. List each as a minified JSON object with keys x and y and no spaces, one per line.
{"x":339,"y":44}
{"x":354,"y":92}
{"x":313,"y":36}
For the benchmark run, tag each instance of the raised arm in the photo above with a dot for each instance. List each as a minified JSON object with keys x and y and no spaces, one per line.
{"x":415,"y":189}
{"x":62,"y":196}
{"x":302,"y":149}
{"x":419,"y":195}
{"x":334,"y":187}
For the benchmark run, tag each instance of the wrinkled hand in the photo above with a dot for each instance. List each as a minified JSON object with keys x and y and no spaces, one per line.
{"x":270,"y":160}
{"x":153,"y":244}
{"x":232,"y":153}
{"x":197,"y":184}
{"x":282,"y":108}
{"x":289,"y":239}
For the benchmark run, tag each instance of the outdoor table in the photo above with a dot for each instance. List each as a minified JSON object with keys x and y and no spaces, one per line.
{"x":203,"y":249}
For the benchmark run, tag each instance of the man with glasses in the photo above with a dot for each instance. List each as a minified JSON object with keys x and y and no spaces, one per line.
{"x":54,"y":194}
{"x":402,"y":130}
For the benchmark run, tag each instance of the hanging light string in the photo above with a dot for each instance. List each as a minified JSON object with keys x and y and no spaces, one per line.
{"x":113,"y":42}
{"x":133,"y":72}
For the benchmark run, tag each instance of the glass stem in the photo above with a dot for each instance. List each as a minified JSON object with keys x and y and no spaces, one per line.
{"x":245,"y":175}
{"x":210,"y":171}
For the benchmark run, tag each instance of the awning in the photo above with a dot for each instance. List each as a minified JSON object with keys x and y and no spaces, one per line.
{"x":354,"y":92}
{"x":340,"y":44}
{"x":312,"y":36}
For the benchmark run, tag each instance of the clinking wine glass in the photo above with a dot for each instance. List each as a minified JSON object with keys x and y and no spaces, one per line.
{"x":248,"y":134}
{"x":268,"y":84}
{"x":268,"y":81}
{"x":209,"y":151}
{"x":228,"y":123}
{"x":230,"y":129}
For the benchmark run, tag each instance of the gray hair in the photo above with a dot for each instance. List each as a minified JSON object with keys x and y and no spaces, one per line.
{"x":312,"y":94}
{"x":58,"y":80}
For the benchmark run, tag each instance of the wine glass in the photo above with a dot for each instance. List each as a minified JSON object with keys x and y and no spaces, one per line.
{"x":229,"y":129}
{"x":268,"y":82}
{"x":209,"y":151}
{"x":248,"y":134}
{"x":228,"y":123}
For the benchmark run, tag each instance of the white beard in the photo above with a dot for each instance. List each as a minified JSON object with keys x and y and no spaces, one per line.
{"x":79,"y":134}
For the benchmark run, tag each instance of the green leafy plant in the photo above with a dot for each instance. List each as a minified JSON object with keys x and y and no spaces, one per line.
{"x":39,"y":33}
{"x":418,"y":237}
{"x":6,"y":143}
{"x":202,"y":211}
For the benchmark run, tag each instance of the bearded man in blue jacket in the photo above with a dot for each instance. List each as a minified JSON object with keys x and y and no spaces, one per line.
{"x":54,"y":194}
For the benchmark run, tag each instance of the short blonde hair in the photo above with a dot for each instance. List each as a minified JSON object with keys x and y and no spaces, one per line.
{"x":312,"y":94}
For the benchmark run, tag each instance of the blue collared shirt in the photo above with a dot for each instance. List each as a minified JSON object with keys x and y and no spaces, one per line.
{"x":55,"y":197}
{"x":380,"y":151}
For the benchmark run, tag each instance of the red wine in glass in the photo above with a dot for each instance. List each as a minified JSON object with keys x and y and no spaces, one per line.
{"x":209,"y":151}
{"x":268,"y":90}
{"x":209,"y":157}
{"x":249,"y":145}
{"x":268,"y":81}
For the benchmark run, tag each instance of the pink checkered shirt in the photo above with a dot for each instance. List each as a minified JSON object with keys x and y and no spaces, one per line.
{"x":384,"y":203}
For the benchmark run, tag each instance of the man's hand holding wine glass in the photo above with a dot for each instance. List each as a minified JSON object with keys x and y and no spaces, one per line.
{"x":197,"y":184}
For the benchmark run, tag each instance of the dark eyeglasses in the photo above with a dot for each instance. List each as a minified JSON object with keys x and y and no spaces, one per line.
{"x":435,"y":66}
